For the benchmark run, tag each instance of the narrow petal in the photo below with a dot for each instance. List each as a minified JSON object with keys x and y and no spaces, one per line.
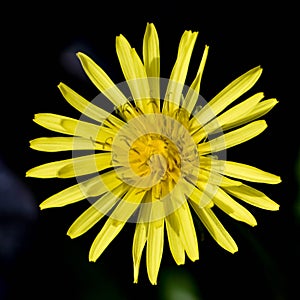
{"x":173,"y":227}
{"x":230,"y":116}
{"x":87,"y":108}
{"x":179,"y":72}
{"x":56,"y":144}
{"x":67,"y":196}
{"x":194,"y":90}
{"x":135,"y":74}
{"x":249,"y":173}
{"x":259,"y":110}
{"x":92,"y":187}
{"x":155,"y":244}
{"x":233,"y":209}
{"x":228,"y":95}
{"x":151,"y":57}
{"x":116,"y":222}
{"x":151,"y":53}
{"x":95,"y":212}
{"x":233,"y":138}
{"x":108,"y":232}
{"x":215,"y":228}
{"x":139,"y":241}
{"x":252,"y":196}
{"x":101,"y":80}
{"x":237,"y":170}
{"x":72,"y":167}
{"x":186,"y":46}
{"x":72,"y":126}
{"x":187,"y":232}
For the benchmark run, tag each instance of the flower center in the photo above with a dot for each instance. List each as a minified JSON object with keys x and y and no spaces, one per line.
{"x":157,"y":155}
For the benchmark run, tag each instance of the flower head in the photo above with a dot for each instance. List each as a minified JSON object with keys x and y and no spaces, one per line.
{"x":156,"y":154}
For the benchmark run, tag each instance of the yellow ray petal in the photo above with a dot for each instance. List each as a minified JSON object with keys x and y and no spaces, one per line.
{"x":259,"y":110}
{"x":155,"y":244}
{"x":72,"y":126}
{"x":249,"y":173}
{"x":151,"y":53}
{"x":115,"y":223}
{"x":72,"y":167}
{"x":233,"y":138}
{"x":186,"y":46}
{"x":101,"y":80}
{"x":252,"y":196}
{"x":96,"y":211}
{"x":236,"y":170}
{"x":135,"y":74}
{"x":139,"y":241}
{"x":88,"y":108}
{"x":229,"y":94}
{"x":215,"y":228}
{"x":92,"y":187}
{"x":141,"y":232}
{"x":179,"y":72}
{"x":173,"y":227}
{"x":67,"y":196}
{"x":151,"y":57}
{"x":108,"y":232}
{"x":232,"y":208}
{"x":56,"y":144}
{"x":194,"y":90}
{"x":187,"y":232}
{"x":230,"y":116}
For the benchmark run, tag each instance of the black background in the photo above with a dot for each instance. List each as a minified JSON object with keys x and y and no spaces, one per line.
{"x":38,"y":49}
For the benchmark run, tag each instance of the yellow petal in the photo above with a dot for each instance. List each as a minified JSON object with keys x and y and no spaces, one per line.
{"x":249,"y":173}
{"x":232,"y":208}
{"x":229,"y":94}
{"x":135,"y":74}
{"x":179,"y":72}
{"x":108,"y":232}
{"x":151,"y":57}
{"x":236,"y":170}
{"x":155,"y":244}
{"x":188,"y":233}
{"x":95,"y":212}
{"x":116,"y":221}
{"x":233,"y":138}
{"x":139,"y":241}
{"x":92,"y":187}
{"x":87,"y":108}
{"x":101,"y":80}
{"x":67,"y":196}
{"x":72,"y":167}
{"x":194,"y":90}
{"x":72,"y":126}
{"x":173,"y":227}
{"x":151,"y":53}
{"x":259,"y":110}
{"x":215,"y":228}
{"x":185,"y":50}
{"x":230,"y":116}
{"x":56,"y":144}
{"x":252,"y":196}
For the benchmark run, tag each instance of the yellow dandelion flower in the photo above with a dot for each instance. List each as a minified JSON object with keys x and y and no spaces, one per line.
{"x":155,"y":152}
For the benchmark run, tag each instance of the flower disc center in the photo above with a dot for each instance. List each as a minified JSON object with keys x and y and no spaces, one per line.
{"x":155,"y":154}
